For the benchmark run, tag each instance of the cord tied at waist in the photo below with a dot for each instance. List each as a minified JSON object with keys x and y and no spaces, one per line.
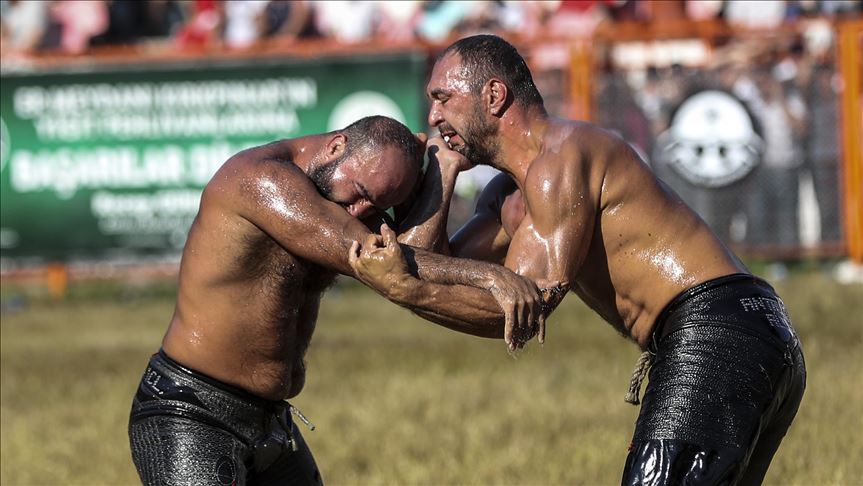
{"x":638,"y":375}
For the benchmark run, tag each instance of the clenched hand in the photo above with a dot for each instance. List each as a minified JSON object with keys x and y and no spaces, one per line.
{"x":379,"y":262}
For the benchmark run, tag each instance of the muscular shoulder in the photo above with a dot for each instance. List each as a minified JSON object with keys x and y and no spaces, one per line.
{"x":249,"y":168}
{"x":573,"y":165}
{"x":624,"y":173}
{"x":582,"y":143}
{"x":251,"y":198}
{"x":603,"y":149}
{"x":248,"y":180}
{"x":561,"y":164}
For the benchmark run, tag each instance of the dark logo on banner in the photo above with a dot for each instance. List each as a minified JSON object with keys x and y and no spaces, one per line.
{"x":712,"y":141}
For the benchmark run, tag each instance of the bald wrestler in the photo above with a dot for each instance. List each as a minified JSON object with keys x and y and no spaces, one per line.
{"x":273,"y":230}
{"x":576,"y":205}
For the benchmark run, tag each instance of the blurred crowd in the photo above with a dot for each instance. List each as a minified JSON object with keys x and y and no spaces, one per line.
{"x":790,"y":87}
{"x":787,"y":78}
{"x":74,"y":26}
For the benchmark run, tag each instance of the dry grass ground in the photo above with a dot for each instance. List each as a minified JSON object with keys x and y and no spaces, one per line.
{"x":400,"y":401}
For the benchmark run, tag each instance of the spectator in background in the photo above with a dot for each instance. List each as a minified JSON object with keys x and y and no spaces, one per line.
{"x":627,"y":11}
{"x":445,"y":19}
{"x":130,"y":21}
{"x":22,"y":25}
{"x":654,"y":106}
{"x":79,"y":22}
{"x":822,"y":147}
{"x":289,"y":20}
{"x":663,"y":11}
{"x":757,"y":14}
{"x":163,"y":18}
{"x":839,"y":7}
{"x":440,"y":18}
{"x":346,"y":22}
{"x":245,"y":22}
{"x":482,"y":17}
{"x":204,"y":23}
{"x":703,"y":9}
{"x":525,"y":18}
{"x":576,"y":16}
{"x":624,"y":116}
{"x":773,"y":201}
{"x":397,"y":21}
{"x":126,"y":23}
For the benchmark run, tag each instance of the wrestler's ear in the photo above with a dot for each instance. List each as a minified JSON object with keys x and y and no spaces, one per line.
{"x":496,"y":96}
{"x":336,"y":146}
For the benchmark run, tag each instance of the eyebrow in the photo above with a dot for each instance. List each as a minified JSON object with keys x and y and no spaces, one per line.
{"x":437,"y":92}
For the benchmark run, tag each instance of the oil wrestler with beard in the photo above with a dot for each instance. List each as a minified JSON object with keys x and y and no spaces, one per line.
{"x":576,"y":205}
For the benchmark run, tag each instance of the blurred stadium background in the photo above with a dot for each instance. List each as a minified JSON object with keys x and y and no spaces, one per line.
{"x":114,"y":114}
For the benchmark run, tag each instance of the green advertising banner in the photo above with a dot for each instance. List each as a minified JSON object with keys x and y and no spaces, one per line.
{"x":112,"y":162}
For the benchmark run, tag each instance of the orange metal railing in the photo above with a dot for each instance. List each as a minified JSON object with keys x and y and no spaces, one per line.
{"x":850,"y":58}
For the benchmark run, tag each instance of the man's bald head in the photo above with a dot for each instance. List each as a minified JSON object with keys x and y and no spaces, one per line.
{"x":379,"y":166}
{"x":377,"y":132}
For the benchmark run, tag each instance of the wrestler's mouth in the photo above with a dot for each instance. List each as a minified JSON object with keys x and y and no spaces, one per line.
{"x":449,"y":138}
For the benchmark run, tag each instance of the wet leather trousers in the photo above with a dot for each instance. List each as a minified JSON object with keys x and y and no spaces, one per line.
{"x":188,"y":429}
{"x":727,"y":379}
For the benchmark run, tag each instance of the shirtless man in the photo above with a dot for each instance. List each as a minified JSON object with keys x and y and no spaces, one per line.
{"x":273,"y":230}
{"x":576,"y":205}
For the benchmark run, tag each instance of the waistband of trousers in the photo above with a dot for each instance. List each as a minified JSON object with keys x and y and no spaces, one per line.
{"x":161,"y":358}
{"x":663,"y":328}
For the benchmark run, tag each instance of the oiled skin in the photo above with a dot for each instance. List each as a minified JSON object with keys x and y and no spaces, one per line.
{"x":575,"y":206}
{"x":247,"y":306}
{"x":580,"y":207}
{"x":266,"y":244}
{"x":592,"y":214}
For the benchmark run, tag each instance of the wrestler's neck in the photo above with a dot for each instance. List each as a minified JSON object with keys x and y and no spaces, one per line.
{"x":520,"y":140}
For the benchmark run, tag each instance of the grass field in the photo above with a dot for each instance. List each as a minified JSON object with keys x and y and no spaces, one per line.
{"x":397,"y":400}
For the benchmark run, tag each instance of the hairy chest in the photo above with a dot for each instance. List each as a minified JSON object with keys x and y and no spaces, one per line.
{"x":281,"y":273}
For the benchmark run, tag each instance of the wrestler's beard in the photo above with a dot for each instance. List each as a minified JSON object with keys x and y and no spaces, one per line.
{"x":322,"y":176}
{"x":480,"y":146}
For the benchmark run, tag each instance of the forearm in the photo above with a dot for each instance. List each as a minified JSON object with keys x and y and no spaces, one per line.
{"x":425,"y":224}
{"x":466,"y":295}
{"x":457,"y":307}
{"x":442,"y":269}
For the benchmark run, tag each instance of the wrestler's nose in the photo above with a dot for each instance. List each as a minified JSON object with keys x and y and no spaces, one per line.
{"x":435,"y":116}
